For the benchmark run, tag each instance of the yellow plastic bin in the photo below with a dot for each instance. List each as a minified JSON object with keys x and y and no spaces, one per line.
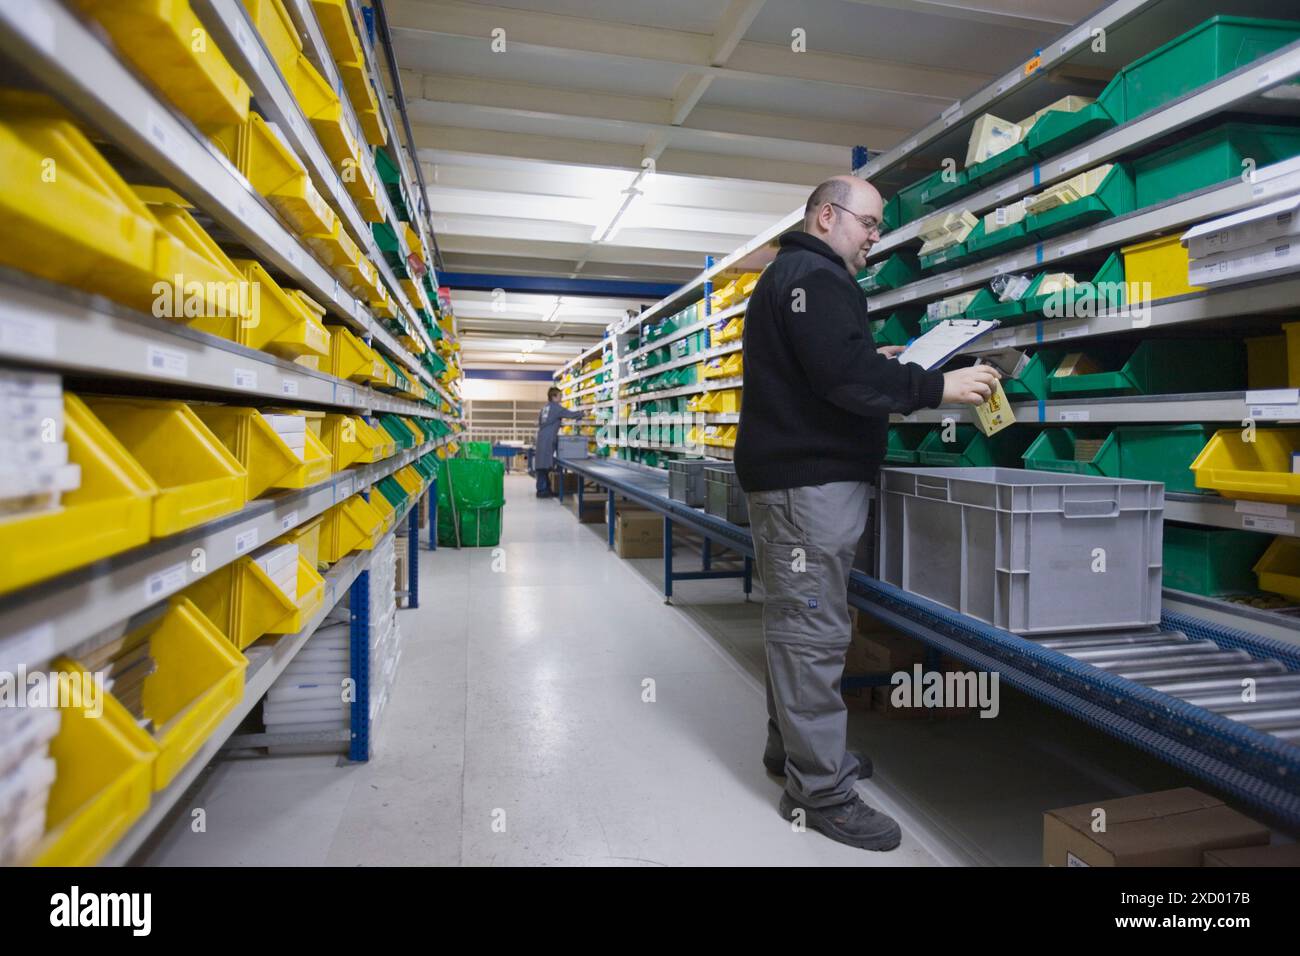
{"x":85,"y":227}
{"x":351,"y":525}
{"x":275,"y":172}
{"x":376,"y":443}
{"x":351,"y":358}
{"x":110,"y":512}
{"x":1163,"y":263}
{"x":1266,"y":361}
{"x":307,"y":538}
{"x":1279,"y":567}
{"x":277,"y":29}
{"x":159,"y":38}
{"x":283,"y":325}
{"x":340,"y":34}
{"x":727,"y":400}
{"x":409,"y":479}
{"x":1258,"y":470}
{"x":246,"y":605}
{"x":270,"y":462}
{"x":385,"y":509}
{"x":339,"y":433}
{"x":198,"y":479}
{"x":104,"y":779}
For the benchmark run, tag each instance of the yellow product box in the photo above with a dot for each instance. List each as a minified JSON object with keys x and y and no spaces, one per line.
{"x":1066,"y":104}
{"x":991,"y":135}
{"x":994,"y":414}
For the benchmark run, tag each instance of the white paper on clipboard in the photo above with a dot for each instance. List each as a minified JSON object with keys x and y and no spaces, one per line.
{"x":945,"y":340}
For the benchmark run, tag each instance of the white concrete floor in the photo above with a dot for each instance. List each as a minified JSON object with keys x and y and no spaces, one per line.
{"x":517,"y":735}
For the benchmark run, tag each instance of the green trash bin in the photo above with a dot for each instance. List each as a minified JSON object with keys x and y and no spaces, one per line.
{"x":475,"y":487}
{"x":477,"y":449}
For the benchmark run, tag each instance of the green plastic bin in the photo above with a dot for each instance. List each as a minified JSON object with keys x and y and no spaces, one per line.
{"x":1114,"y":197}
{"x":983,"y":244}
{"x":898,"y":270}
{"x":898,"y":328}
{"x":392,"y":491}
{"x":1161,"y":453}
{"x":1211,"y":561}
{"x":1004,"y":164}
{"x":477,"y":449}
{"x":945,"y":259}
{"x":942,"y":187}
{"x":904,"y":443}
{"x":1032,"y":383}
{"x":1058,"y":130}
{"x":971,"y":448}
{"x":1211,"y":157}
{"x":398,"y":430}
{"x":1157,"y":367}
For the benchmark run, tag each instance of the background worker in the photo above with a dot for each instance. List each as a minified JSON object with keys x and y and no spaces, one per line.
{"x":813,"y":427}
{"x":549,"y":420}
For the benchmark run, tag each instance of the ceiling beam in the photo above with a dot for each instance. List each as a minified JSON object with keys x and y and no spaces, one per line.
{"x":1017,"y":14}
{"x":581,"y":152}
{"x":557,"y":35}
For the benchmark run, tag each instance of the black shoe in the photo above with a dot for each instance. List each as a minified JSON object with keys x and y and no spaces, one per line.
{"x":777,"y":768}
{"x":544,"y":494}
{"x":852,"y":822}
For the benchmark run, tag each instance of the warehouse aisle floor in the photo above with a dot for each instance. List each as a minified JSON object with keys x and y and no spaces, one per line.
{"x":518,"y":734}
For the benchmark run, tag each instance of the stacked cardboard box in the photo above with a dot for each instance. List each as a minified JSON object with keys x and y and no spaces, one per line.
{"x":26,"y":774}
{"x":1252,"y":244}
{"x":34,"y":468}
{"x":292,"y":430}
{"x":126,"y":663}
{"x":638,"y":533}
{"x":280,"y":562}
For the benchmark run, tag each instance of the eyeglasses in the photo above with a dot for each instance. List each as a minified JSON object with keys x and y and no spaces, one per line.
{"x":867,"y":222}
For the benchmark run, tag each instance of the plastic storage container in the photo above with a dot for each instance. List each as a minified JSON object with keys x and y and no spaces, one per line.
{"x":971,"y":448}
{"x":1020,"y":549}
{"x":288,"y":322}
{"x":1279,"y":568}
{"x":898,"y":270}
{"x":351,"y":525}
{"x":1113,"y":197}
{"x":1211,"y":561}
{"x":104,"y":779}
{"x":110,"y":511}
{"x":686,"y":480}
{"x":245,"y":604}
{"x":1159,"y":366}
{"x":1162,"y":264}
{"x":723,"y":497}
{"x":898,"y":328}
{"x":1258,"y":470}
{"x":1218,"y":154}
{"x":197,"y":478}
{"x":307,"y":538}
{"x":270,"y":462}
{"x":1161,"y":453}
{"x":903,"y":444}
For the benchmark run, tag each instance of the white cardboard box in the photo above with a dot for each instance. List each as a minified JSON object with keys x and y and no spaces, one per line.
{"x":1275,"y":257}
{"x":1241,"y":230}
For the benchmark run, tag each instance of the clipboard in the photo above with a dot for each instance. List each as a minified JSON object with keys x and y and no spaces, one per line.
{"x":941,"y":343}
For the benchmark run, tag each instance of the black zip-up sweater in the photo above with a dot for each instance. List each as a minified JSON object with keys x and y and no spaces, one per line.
{"x":817,"y":397}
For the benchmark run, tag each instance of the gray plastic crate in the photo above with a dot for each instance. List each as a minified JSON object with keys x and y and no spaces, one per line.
{"x":723,"y":497}
{"x":686,"y":480}
{"x":1021,"y":550}
{"x":572,"y":446}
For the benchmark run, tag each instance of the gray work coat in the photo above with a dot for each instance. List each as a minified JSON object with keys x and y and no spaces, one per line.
{"x":549,"y":420}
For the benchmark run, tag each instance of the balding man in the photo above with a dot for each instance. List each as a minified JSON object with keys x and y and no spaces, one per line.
{"x":813,"y":427}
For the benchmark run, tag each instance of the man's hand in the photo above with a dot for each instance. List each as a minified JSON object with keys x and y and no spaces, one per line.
{"x":969,"y":386}
{"x":892,"y":351}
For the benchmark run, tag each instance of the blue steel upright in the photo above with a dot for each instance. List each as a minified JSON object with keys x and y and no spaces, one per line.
{"x":413,"y":556}
{"x":359,"y":652}
{"x":433,"y":514}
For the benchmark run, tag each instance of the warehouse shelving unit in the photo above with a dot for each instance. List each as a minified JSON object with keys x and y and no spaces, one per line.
{"x":100,"y":346}
{"x":1255,"y":761}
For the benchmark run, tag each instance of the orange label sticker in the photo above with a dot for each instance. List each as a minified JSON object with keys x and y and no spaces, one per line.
{"x":1033,"y":65}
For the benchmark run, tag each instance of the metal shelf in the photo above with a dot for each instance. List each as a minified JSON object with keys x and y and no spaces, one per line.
{"x":1279,"y":179}
{"x":695,"y":389}
{"x":582,"y":357}
{"x":1230,"y":91}
{"x":46,"y":324}
{"x":704,"y":323}
{"x":1188,"y":407}
{"x":51,"y":617}
{"x":50,"y":42}
{"x":1217,"y":512}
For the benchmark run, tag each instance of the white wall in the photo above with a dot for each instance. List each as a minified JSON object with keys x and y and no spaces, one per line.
{"x":491,"y":389}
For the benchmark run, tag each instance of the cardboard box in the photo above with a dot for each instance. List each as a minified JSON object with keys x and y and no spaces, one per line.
{"x":570,"y":482}
{"x":1250,"y":227}
{"x":1271,"y":258}
{"x":593,"y":508}
{"x":994,"y":413}
{"x":1066,"y":104}
{"x":989,"y":136}
{"x":1281,"y":854}
{"x":1007,"y":215}
{"x":1076,"y":363}
{"x":639,"y":534}
{"x":1169,"y":828}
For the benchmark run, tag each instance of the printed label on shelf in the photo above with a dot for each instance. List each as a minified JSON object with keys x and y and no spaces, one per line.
{"x":1073,"y":330}
{"x":1274,"y":403}
{"x":1275,"y":412}
{"x":1008,"y":190}
{"x":35,"y":645}
{"x":1264,"y":79}
{"x":167,"y":581}
{"x":1080,"y":160}
{"x":291,"y":253}
{"x":25,"y":334}
{"x":1008,"y":82}
{"x":1073,"y":40}
{"x":168,"y":362}
{"x":1032,"y":65}
{"x":289,"y":521}
{"x":1075,"y":416}
{"x":1273,"y":509}
{"x":343,"y":489}
{"x":952,"y":281}
{"x":1271,"y":525}
{"x":245,"y":378}
{"x":1070,"y":248}
{"x":246,"y":541}
{"x":289,"y":387}
{"x":156,"y":127}
{"x":952,"y":114}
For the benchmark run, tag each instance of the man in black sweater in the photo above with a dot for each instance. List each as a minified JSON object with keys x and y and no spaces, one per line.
{"x":813,"y":426}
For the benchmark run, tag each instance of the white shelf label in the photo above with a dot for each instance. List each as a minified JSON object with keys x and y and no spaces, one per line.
{"x":35,"y":645}
{"x":289,"y":521}
{"x":343,"y":489}
{"x":951,"y":282}
{"x":289,"y":387}
{"x":244,"y":38}
{"x":1272,"y":525}
{"x":1077,"y":416}
{"x":1272,"y":509}
{"x":245,"y":378}
{"x":246,"y":541}
{"x":1071,"y":331}
{"x":1071,"y":248}
{"x":1264,"y":80}
{"x":1275,"y":412}
{"x":25,"y":334}
{"x":167,"y":581}
{"x":1073,"y":40}
{"x":1275,"y":403}
{"x":163,"y":361}
{"x":1008,"y":190}
{"x":1008,"y":82}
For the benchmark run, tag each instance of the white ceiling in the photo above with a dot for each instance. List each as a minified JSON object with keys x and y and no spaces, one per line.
{"x":529,"y":152}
